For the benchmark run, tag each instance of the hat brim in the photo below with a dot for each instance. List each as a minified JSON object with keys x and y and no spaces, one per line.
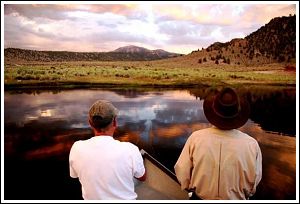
{"x":226,"y":123}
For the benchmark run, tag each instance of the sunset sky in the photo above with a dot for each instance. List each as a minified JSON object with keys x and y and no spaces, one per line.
{"x":98,"y":26}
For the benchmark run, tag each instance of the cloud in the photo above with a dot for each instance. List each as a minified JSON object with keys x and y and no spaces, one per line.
{"x":97,"y":26}
{"x":19,"y":32}
{"x":109,"y":36}
{"x":178,"y":28}
{"x":62,"y":11}
{"x":262,"y":13}
{"x":190,"y":33}
{"x":196,"y":13}
{"x":130,"y":11}
{"x":53,"y":12}
{"x":223,"y":14}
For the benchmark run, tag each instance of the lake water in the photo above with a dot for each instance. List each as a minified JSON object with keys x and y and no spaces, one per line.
{"x":41,"y":126}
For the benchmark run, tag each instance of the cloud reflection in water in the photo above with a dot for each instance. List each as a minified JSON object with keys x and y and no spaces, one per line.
{"x":43,"y":126}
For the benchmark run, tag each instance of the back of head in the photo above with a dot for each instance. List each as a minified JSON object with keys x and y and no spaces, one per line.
{"x":101,"y":114}
{"x":226,"y":110}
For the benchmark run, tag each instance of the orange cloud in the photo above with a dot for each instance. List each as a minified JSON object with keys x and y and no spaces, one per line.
{"x":120,"y":9}
{"x":224,"y":14}
{"x":261,"y":14}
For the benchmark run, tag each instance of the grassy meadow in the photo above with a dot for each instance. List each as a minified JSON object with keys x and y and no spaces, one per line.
{"x":145,"y":73}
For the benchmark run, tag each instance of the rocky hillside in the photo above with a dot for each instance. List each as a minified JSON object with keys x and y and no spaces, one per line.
{"x":277,"y":39}
{"x":274,"y":42}
{"x":129,"y":53}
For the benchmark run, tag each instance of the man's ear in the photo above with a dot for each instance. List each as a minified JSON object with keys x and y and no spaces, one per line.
{"x":90,"y":122}
{"x":115,"y":122}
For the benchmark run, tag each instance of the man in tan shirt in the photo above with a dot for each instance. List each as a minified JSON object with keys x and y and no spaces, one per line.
{"x":221,"y":162}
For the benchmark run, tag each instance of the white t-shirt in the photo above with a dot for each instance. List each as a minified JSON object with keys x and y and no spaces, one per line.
{"x":106,"y":167}
{"x":220,"y":164}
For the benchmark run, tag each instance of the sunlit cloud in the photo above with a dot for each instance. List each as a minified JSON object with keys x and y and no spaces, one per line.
{"x":101,"y":27}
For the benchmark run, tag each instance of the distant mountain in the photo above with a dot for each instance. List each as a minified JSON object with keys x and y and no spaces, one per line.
{"x":274,"y":42}
{"x":132,"y":49}
{"x":128,"y":53}
{"x":159,"y":53}
{"x":165,"y":54}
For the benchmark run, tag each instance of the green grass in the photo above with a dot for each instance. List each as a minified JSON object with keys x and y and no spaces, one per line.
{"x":151,"y":73}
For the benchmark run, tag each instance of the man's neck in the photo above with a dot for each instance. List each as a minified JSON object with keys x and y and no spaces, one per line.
{"x":106,"y":133}
{"x":102,"y":135}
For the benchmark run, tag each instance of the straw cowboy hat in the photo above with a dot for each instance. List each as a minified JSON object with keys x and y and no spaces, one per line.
{"x":226,"y":110}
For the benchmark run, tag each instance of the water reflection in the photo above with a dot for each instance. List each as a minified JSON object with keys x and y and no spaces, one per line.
{"x":273,"y":109}
{"x":40,"y":128}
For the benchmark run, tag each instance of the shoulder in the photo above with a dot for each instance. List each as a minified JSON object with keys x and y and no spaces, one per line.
{"x":76,"y":148}
{"x":247,"y":137}
{"x":128,"y":146}
{"x":76,"y":144}
{"x":199,"y":133}
{"x":79,"y":144}
{"x":198,"y":136}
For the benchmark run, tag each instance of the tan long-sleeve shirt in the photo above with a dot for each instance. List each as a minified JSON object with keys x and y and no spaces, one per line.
{"x":220,"y":164}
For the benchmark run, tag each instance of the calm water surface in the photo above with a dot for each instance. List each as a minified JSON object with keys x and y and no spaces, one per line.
{"x":41,"y":126}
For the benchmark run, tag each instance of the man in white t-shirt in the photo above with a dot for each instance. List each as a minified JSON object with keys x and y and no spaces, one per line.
{"x":106,"y":167}
{"x":221,"y":162}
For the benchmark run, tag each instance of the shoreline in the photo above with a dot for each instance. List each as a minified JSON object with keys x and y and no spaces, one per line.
{"x":91,"y":85}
